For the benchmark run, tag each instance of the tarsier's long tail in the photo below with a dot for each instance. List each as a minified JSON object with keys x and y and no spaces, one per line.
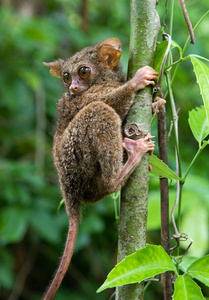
{"x":66,"y":258}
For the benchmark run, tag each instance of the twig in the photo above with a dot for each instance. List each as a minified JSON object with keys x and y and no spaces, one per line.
{"x":178,"y":166}
{"x":162,"y":141}
{"x":189,"y":25}
{"x":166,"y":10}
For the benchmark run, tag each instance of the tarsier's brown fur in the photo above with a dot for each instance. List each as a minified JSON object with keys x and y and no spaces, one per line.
{"x":88,"y":144}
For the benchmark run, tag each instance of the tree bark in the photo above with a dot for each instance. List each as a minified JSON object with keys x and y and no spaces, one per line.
{"x":145,"y":26}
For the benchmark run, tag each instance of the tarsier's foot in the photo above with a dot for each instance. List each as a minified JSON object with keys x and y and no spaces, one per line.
{"x":159,"y":102}
{"x":137,"y":148}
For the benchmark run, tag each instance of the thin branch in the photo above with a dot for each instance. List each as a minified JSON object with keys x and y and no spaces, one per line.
{"x":178,"y":164}
{"x":189,"y":24}
{"x":162,"y":141}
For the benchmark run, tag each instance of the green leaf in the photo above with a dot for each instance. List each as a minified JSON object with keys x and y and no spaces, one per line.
{"x":158,"y":167}
{"x":45,"y":225}
{"x":202,"y":75}
{"x":186,"y":289}
{"x":176,"y":45}
{"x":200,"y":270}
{"x":186,"y":262}
{"x":13,"y":224}
{"x":142,"y":264}
{"x":198,"y":123}
{"x":160,"y":53}
{"x":62,"y":202}
{"x":7,"y":277}
{"x":197,"y":229}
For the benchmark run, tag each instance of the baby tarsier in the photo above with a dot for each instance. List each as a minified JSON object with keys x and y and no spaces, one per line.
{"x":88,"y":143}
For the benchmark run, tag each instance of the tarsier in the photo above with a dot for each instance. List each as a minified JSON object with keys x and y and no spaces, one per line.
{"x":88,"y":144}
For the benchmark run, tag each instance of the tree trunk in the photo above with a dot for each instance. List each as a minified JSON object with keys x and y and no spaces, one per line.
{"x":134,"y":201}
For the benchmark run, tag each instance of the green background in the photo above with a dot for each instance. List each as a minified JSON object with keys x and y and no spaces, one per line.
{"x":32,"y":233}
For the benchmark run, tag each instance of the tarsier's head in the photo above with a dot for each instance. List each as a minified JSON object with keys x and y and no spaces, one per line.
{"x":89,"y":66}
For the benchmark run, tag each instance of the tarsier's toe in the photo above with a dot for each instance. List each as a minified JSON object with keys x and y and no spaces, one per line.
{"x":159,"y":102}
{"x":149,"y":136}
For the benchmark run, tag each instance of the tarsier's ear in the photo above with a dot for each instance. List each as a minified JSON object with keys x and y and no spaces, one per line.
{"x":110,"y":52}
{"x":55,"y":67}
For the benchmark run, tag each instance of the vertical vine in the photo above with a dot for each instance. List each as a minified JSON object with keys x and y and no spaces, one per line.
{"x":134,"y":201}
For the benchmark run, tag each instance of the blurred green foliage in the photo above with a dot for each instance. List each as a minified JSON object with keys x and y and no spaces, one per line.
{"x":32,"y":234}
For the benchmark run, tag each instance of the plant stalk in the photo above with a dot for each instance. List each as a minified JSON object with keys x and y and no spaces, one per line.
{"x":194,"y":159}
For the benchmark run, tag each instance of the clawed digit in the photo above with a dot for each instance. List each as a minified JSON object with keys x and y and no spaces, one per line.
{"x":159,"y":102}
{"x":141,"y":146}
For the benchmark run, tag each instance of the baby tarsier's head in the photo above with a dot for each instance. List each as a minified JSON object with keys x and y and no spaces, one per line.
{"x":97,"y":64}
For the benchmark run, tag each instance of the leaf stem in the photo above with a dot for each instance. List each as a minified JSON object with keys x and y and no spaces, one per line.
{"x":194,"y":159}
{"x":183,"y":59}
{"x":175,"y":120}
{"x":177,"y":62}
{"x":116,"y":199}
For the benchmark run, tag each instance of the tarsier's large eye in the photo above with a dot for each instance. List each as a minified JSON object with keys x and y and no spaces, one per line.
{"x":67,"y":78}
{"x":84,"y":72}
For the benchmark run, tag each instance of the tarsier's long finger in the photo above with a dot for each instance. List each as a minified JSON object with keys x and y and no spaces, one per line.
{"x":152,"y":76}
{"x":151,"y":147}
{"x":152,"y":70}
{"x":160,"y":101}
{"x":151,"y":151}
{"x":152,"y":82}
{"x":151,"y":144}
{"x":148,"y":82}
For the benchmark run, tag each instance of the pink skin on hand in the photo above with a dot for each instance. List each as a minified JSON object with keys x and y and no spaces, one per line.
{"x":143,"y":77}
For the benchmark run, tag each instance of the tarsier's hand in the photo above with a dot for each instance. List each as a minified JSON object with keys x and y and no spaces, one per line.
{"x":144,"y":77}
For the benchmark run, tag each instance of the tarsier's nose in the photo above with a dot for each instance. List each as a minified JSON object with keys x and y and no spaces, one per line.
{"x":74,"y":88}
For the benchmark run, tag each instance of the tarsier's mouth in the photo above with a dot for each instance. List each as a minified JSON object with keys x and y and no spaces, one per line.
{"x":75,"y":93}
